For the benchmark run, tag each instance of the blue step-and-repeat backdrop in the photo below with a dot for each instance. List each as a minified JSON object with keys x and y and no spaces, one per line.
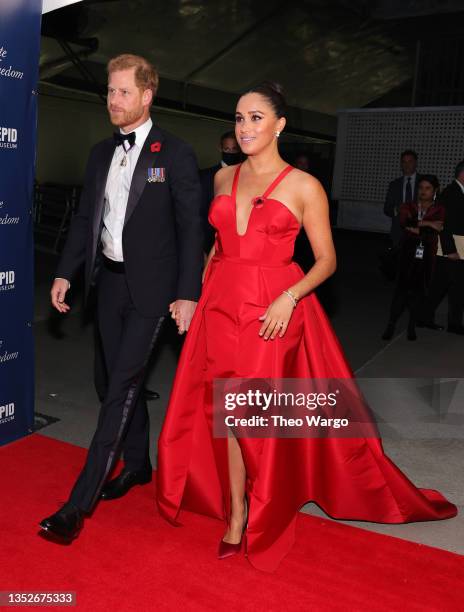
{"x":19,"y":58}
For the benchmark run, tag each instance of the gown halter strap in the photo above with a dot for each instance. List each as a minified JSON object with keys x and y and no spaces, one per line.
{"x":271,"y":187}
{"x":276,"y":181}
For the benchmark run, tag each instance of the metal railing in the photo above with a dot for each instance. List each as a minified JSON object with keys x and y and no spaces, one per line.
{"x":54,"y":206}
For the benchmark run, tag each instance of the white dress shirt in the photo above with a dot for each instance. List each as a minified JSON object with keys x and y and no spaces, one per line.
{"x":117,"y":191}
{"x":413,"y":185}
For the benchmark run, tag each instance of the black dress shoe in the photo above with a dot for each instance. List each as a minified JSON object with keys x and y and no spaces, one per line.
{"x":151,"y":395}
{"x":430,"y":325}
{"x":389,"y":331}
{"x":456,"y":329}
{"x":120,"y":485}
{"x":64,"y":525}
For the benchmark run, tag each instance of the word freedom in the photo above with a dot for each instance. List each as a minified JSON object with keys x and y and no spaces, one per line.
{"x":263,"y":400}
{"x":8,"y":356}
{"x":7,"y":220}
{"x":12,"y":74}
{"x":8,"y":72}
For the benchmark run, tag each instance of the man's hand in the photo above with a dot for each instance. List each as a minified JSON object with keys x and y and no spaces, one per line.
{"x":454,"y":256}
{"x":59,"y":288}
{"x":182,"y":312}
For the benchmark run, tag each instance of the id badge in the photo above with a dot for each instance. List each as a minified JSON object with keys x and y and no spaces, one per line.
{"x":419,"y":252}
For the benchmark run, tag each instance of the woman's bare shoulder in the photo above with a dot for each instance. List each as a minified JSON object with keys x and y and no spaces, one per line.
{"x":223,"y":179}
{"x":304,"y":179}
{"x":307,"y":187}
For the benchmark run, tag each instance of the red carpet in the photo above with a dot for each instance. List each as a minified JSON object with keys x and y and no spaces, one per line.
{"x":127,"y":558}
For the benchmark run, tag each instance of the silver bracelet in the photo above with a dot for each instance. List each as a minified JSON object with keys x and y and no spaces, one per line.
{"x":291,"y":296}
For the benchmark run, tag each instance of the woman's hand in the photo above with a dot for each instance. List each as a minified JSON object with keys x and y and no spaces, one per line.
{"x":276,"y":318}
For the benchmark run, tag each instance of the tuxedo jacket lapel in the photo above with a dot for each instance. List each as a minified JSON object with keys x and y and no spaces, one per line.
{"x":102,"y":175}
{"x":146,"y":160}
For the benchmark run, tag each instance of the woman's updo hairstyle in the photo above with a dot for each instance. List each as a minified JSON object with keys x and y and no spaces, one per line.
{"x":274,"y":95}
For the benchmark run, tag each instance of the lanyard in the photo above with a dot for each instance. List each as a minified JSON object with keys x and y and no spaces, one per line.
{"x":420,"y":215}
{"x":420,"y":212}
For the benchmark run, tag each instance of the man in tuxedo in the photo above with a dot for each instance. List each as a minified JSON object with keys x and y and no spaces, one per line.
{"x":400,"y":190}
{"x":449,"y":271}
{"x":138,"y":233}
{"x":230,"y":155}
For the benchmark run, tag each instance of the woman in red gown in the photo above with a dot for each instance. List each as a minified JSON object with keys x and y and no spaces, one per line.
{"x":258,"y":317}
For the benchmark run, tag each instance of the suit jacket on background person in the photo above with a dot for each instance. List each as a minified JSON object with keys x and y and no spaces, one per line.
{"x":207,"y":184}
{"x":162,"y":235}
{"x":393,"y":201}
{"x":449,"y":278}
{"x":452,"y":199}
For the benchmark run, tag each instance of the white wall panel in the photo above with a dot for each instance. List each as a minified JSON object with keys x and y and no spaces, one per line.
{"x":369,"y":143}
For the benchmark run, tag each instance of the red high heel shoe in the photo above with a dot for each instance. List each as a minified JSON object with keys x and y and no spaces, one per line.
{"x":228,"y":550}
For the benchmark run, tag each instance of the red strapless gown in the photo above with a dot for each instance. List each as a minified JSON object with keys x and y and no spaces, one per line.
{"x":348,"y":478}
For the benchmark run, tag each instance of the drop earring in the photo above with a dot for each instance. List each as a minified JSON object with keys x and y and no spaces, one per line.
{"x":277,"y":134}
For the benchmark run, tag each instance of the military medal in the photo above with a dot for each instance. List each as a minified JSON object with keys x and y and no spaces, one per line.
{"x":156,"y":175}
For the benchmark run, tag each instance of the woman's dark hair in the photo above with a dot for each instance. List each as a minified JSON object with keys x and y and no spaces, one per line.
{"x":273,"y":93}
{"x":430,"y":178}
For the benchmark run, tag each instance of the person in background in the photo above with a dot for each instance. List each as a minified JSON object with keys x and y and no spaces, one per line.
{"x":401,"y":190}
{"x":230,"y":155}
{"x":421,"y":223}
{"x":302,"y":162}
{"x":449,"y":276}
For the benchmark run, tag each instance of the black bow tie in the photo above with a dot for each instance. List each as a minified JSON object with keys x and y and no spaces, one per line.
{"x":120,"y":138}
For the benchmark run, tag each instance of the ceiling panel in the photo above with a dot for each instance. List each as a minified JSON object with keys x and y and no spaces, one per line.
{"x":327,"y":54}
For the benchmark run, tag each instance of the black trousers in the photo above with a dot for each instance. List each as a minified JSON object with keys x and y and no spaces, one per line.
{"x":448,"y":279}
{"x":405,"y":298}
{"x":123,"y":425}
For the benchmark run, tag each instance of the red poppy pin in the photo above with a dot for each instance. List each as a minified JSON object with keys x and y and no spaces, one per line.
{"x":155,"y":147}
{"x":258,"y":202}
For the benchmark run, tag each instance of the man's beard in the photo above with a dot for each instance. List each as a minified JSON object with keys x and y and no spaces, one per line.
{"x":126,"y":117}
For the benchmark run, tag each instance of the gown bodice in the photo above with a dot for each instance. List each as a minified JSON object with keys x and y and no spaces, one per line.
{"x":271,"y":232}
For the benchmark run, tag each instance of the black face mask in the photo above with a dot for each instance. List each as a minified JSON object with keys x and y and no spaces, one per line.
{"x":230,"y":158}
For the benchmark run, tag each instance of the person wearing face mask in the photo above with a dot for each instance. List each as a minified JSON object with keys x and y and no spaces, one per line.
{"x":259,"y":321}
{"x":230,"y":155}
